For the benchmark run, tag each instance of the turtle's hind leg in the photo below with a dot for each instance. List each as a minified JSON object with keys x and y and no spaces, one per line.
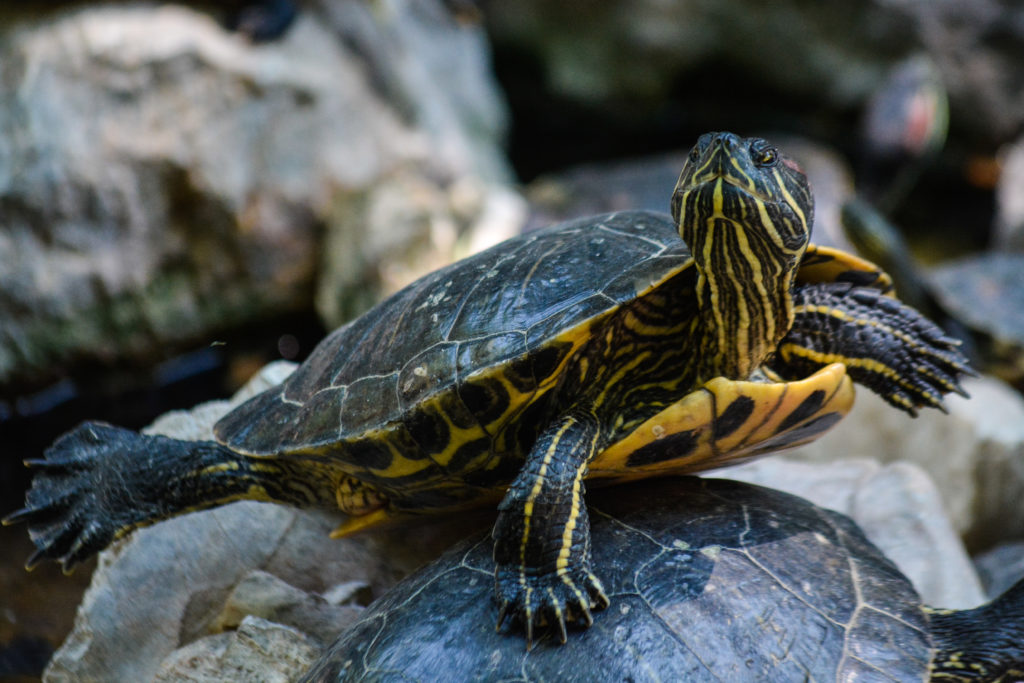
{"x":98,"y":482}
{"x":981,"y":644}
{"x":886,"y":345}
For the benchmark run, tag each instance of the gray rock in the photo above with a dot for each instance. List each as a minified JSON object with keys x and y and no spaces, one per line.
{"x":264,"y":595}
{"x":168,"y":585}
{"x":1009,"y":220}
{"x":896,"y":505}
{"x":409,"y":225}
{"x":260,"y":651}
{"x":602,"y":187}
{"x":1000,"y":567}
{"x":193,"y":194}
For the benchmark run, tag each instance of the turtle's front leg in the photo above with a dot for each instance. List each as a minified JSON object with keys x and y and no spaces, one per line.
{"x":542,"y":536}
{"x":886,"y":345}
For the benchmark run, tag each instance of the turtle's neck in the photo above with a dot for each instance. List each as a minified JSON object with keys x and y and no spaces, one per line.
{"x":745,"y":302}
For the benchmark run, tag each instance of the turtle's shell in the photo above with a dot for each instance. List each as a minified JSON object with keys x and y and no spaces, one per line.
{"x":523,"y":306}
{"x":708,"y":580}
{"x":435,"y":395}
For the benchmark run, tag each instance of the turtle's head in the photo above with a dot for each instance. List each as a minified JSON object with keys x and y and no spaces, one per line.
{"x":745,"y":184}
{"x":745,"y":211}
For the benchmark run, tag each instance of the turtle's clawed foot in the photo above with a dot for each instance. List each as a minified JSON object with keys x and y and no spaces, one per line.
{"x":886,"y":346}
{"x":915,"y":363}
{"x":70,"y":509}
{"x":548,"y":600}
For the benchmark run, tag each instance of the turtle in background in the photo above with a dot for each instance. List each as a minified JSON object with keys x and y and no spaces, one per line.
{"x":710,"y":580}
{"x":974,"y":297}
{"x":605,"y":349}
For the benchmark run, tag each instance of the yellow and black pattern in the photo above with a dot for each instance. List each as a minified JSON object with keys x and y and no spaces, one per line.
{"x":886,"y":346}
{"x":745,"y":213}
{"x":981,"y":644}
{"x":604,"y":348}
{"x":542,"y":536}
{"x":826,"y":264}
{"x":725,"y":422}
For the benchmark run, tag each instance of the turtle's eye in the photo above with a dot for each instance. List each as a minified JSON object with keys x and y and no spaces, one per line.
{"x":765,"y":156}
{"x":694,"y":154}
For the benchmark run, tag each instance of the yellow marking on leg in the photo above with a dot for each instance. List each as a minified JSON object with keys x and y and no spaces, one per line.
{"x":538,"y":484}
{"x":355,"y":524}
{"x":868,"y":364}
{"x":216,"y":469}
{"x":845,"y":317}
{"x":554,"y":603}
{"x":562,"y":563}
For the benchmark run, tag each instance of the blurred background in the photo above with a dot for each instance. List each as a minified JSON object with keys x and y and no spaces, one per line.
{"x":191,"y":190}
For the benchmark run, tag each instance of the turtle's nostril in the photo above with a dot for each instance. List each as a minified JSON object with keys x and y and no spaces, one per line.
{"x":729,"y":141}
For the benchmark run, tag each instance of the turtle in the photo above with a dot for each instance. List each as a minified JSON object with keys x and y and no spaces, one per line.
{"x":571,"y":353}
{"x":711,"y":580}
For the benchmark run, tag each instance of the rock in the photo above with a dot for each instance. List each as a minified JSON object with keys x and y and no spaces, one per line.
{"x":898,"y":508}
{"x":195,"y":194}
{"x":166,"y":586}
{"x":1009,"y":220}
{"x":981,"y":292}
{"x":412,"y":226}
{"x":264,"y":595}
{"x":260,"y":651}
{"x":1000,"y":567}
{"x":638,"y":51}
{"x":975,"y":455}
{"x":603,"y":187}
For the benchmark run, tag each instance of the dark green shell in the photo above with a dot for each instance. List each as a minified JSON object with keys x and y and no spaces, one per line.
{"x":500,"y":311}
{"x":709,"y":580}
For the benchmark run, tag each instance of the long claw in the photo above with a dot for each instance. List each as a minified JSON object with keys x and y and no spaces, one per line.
{"x":502,"y":613}
{"x":588,"y":618}
{"x":548,"y":602}
{"x":34,"y":559}
{"x":17,"y":517}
